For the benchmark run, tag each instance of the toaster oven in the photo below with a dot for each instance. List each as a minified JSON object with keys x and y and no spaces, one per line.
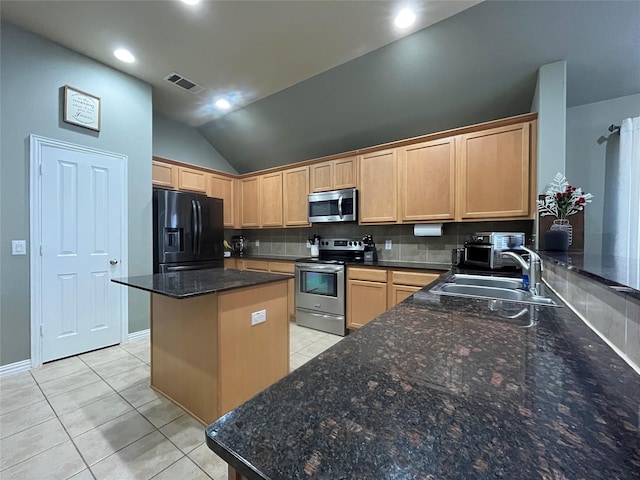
{"x":485,"y":248}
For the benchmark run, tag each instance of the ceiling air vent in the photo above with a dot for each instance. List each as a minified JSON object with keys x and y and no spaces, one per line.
{"x":185,"y":84}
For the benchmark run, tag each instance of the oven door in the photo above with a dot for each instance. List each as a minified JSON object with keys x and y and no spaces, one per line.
{"x":478,"y":254}
{"x":320,"y":288}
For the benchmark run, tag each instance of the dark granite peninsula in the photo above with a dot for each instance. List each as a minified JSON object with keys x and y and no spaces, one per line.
{"x":218,"y":336}
{"x":446,"y":387}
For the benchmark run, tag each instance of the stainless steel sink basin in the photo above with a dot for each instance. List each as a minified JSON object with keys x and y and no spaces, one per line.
{"x":485,"y":281}
{"x":491,"y":288}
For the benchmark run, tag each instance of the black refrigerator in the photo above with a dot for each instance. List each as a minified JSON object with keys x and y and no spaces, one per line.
{"x":188,"y":231}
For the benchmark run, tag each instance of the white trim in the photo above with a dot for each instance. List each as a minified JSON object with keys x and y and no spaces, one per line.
{"x":36,"y":143}
{"x":139,"y":335}
{"x":13,"y":368}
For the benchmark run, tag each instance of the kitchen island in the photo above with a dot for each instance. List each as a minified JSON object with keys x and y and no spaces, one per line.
{"x":446,"y":387}
{"x":218,"y":336}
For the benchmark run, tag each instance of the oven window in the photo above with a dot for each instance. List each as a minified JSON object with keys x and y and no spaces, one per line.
{"x":318,"y":283}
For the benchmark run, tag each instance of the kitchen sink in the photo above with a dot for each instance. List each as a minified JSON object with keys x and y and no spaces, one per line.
{"x":485,"y":281}
{"x":490,"y":288}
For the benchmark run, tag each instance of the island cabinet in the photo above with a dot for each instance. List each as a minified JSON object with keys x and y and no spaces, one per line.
{"x":427,"y":178}
{"x":294,"y":197}
{"x":495,"y":179}
{"x":333,"y":175}
{"x":378,"y":182}
{"x":208,"y":357}
{"x":219,"y":186}
{"x":366,"y":295}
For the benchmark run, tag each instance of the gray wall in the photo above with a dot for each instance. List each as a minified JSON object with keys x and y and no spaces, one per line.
{"x":33,"y":70}
{"x":180,"y":142}
{"x":588,"y":145}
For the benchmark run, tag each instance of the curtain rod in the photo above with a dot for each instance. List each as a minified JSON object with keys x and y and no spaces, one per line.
{"x":614,"y":128}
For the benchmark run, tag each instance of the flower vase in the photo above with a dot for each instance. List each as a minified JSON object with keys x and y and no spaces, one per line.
{"x":563,"y":225}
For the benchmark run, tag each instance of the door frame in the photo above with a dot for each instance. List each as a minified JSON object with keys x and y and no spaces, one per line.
{"x":36,"y":144}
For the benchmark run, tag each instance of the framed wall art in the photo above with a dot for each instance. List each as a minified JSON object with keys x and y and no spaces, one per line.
{"x":81,"y":108}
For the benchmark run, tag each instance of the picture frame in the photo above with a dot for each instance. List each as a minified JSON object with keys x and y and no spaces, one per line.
{"x":81,"y":108}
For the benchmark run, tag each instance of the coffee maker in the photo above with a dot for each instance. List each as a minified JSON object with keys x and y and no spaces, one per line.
{"x":370,"y":252}
{"x":239,"y":244}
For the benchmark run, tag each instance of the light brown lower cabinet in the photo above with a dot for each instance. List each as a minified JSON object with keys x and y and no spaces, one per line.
{"x":366,"y":295}
{"x":372,"y":291}
{"x":208,"y":358}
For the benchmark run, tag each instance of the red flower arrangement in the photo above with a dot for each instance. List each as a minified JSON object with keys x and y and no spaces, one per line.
{"x":562,"y":199}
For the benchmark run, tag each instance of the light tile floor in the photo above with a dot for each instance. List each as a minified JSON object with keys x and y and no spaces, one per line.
{"x":93,"y":416}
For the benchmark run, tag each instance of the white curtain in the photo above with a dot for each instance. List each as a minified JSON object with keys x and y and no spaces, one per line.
{"x":622,"y":203}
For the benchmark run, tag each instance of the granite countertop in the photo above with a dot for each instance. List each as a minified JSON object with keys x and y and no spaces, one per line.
{"x":191,"y":283}
{"x":380,"y":263}
{"x":619,"y":273}
{"x":446,"y":387}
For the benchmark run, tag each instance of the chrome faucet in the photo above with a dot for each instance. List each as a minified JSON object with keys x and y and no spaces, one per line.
{"x":533,"y":268}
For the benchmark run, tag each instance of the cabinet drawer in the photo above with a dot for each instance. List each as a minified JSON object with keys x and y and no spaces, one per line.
{"x":282,"y":267}
{"x":367,"y":274}
{"x":416,"y":279}
{"x":260,"y":265}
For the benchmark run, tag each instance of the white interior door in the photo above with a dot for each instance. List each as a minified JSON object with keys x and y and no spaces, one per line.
{"x":81,"y":238}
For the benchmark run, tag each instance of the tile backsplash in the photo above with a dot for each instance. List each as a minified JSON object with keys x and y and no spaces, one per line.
{"x":405,"y":247}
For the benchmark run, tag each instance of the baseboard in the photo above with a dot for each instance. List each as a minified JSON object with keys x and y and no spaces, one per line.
{"x":13,"y":368}
{"x":138,"y":335}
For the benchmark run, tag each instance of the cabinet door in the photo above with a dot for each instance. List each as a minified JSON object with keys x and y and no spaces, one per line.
{"x":379,"y":187}
{"x":271,"y":200}
{"x":344,"y":173}
{"x":192,"y":180}
{"x":295,"y":200}
{"x":427,"y":181}
{"x":321,"y":177}
{"x":365,"y":301}
{"x":397,"y":293}
{"x":494,"y":173}
{"x":230,"y":263}
{"x":256,"y":265}
{"x":223,"y":187}
{"x":164,"y":174}
{"x":250,"y":198}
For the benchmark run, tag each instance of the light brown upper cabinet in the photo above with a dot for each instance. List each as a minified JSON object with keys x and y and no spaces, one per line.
{"x":224,"y":188}
{"x":164,"y":174}
{"x":192,"y":180}
{"x":294,"y":196}
{"x":249,"y":201}
{"x":379,"y":187}
{"x":427,"y":181}
{"x":494,"y":173}
{"x":333,"y":174}
{"x":271,"y":200}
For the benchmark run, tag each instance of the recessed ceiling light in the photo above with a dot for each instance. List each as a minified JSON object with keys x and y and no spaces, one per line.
{"x":124,"y":55}
{"x":223,"y":104}
{"x":405,"y":18}
{"x":191,"y":2}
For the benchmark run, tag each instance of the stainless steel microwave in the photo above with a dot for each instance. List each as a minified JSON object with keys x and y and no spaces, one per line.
{"x":334,"y":206}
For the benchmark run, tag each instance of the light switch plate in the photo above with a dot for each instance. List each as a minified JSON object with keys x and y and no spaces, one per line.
{"x":387,"y":244}
{"x":258,"y":317}
{"x":18,"y":247}
{"x":257,"y":243}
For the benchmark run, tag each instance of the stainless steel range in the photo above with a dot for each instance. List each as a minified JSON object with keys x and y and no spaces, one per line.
{"x":320,"y":285}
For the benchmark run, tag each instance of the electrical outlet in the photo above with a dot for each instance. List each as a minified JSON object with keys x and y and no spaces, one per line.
{"x":258,"y":317}
{"x":18,"y":247}
{"x":388,"y":244}
{"x":257,"y":243}
{"x":308,"y":244}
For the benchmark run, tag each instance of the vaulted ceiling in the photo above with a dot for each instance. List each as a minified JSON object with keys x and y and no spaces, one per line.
{"x":315,"y":78}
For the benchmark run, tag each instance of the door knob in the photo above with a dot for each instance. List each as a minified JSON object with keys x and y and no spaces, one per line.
{"x":113,"y":262}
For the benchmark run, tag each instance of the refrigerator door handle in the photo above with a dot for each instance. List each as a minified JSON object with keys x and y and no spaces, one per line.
{"x":194,"y":227}
{"x":199,"y":227}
